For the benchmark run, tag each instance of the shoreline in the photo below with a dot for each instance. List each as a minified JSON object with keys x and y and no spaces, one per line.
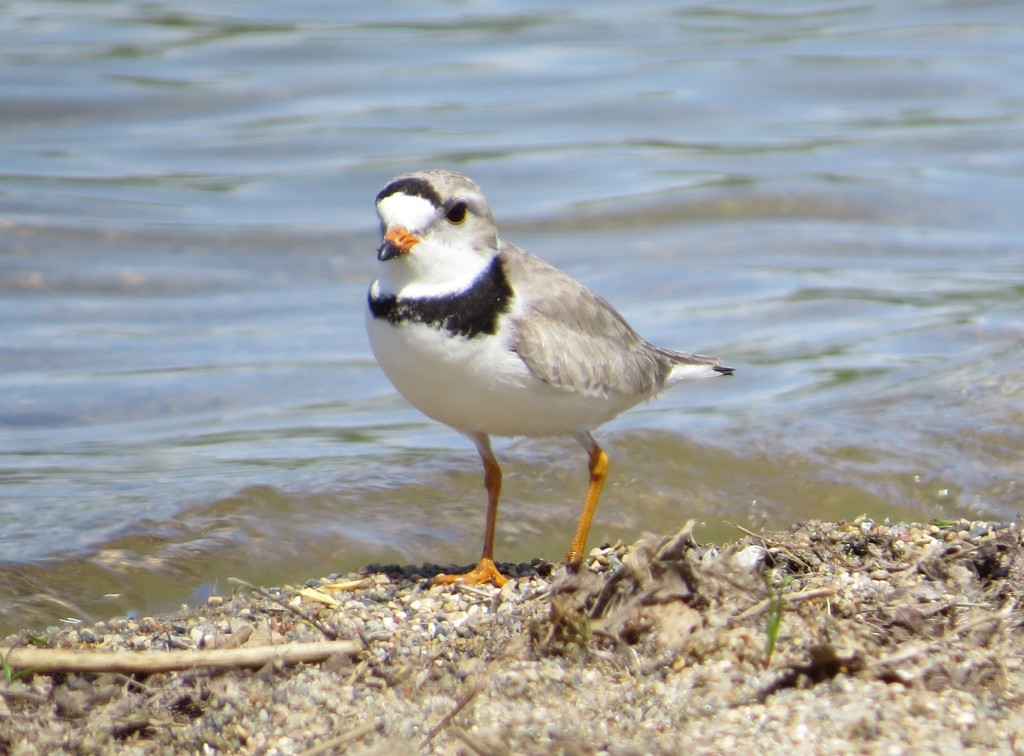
{"x":881,"y":637}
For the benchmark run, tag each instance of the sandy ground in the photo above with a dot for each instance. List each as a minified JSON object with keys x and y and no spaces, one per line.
{"x":864,"y":637}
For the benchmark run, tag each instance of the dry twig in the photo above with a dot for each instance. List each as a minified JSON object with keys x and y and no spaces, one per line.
{"x":50,"y":660}
{"x":334,"y":744}
{"x":326,"y":631}
{"x":789,"y":598}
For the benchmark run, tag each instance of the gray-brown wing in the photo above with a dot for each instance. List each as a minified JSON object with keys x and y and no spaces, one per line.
{"x":573,"y":339}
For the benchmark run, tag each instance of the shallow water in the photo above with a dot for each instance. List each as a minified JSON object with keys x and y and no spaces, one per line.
{"x":827,"y":196}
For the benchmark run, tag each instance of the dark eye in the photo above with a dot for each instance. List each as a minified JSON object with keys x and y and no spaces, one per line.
{"x":456,"y":213}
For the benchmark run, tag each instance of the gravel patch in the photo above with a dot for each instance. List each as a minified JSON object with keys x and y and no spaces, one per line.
{"x":875,"y":637}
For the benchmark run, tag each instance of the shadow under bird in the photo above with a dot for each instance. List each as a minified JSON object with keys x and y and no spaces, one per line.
{"x":484,"y":337}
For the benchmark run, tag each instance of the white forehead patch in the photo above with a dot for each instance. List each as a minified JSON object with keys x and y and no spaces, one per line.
{"x":415,"y":213}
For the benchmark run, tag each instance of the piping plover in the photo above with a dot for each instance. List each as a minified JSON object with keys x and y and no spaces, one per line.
{"x":486,"y":338}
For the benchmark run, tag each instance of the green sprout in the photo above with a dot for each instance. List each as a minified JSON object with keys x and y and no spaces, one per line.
{"x":776,"y":607}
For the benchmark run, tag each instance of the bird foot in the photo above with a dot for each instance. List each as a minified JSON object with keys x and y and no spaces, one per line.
{"x":485,"y":572}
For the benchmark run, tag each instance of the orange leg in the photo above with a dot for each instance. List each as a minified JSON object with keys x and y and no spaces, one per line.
{"x":598,"y":465}
{"x":485,"y":571}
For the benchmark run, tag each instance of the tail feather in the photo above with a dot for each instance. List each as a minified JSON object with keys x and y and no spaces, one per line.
{"x":690,"y":367}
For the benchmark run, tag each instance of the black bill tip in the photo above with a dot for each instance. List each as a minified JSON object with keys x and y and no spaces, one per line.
{"x":388,"y":251}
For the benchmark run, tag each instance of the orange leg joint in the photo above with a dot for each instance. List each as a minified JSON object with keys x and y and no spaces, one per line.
{"x":598,"y":472}
{"x":485,"y":571}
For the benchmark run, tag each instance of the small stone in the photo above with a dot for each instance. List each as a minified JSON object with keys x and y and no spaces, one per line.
{"x":88,"y":636}
{"x":749,"y":557}
{"x":966,"y":719}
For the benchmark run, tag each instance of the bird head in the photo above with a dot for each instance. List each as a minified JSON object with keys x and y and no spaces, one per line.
{"x":438,"y":232}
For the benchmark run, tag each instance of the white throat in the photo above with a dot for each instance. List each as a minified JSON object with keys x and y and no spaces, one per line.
{"x":431,"y":268}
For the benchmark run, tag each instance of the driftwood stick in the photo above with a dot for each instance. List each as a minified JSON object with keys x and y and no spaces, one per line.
{"x":50,"y":660}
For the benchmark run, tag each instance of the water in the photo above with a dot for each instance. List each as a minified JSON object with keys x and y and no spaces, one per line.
{"x":829,"y":196}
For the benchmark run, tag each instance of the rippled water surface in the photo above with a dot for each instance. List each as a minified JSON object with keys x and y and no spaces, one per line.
{"x":827,"y":195}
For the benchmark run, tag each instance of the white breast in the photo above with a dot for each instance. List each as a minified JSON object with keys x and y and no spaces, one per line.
{"x":480,"y":384}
